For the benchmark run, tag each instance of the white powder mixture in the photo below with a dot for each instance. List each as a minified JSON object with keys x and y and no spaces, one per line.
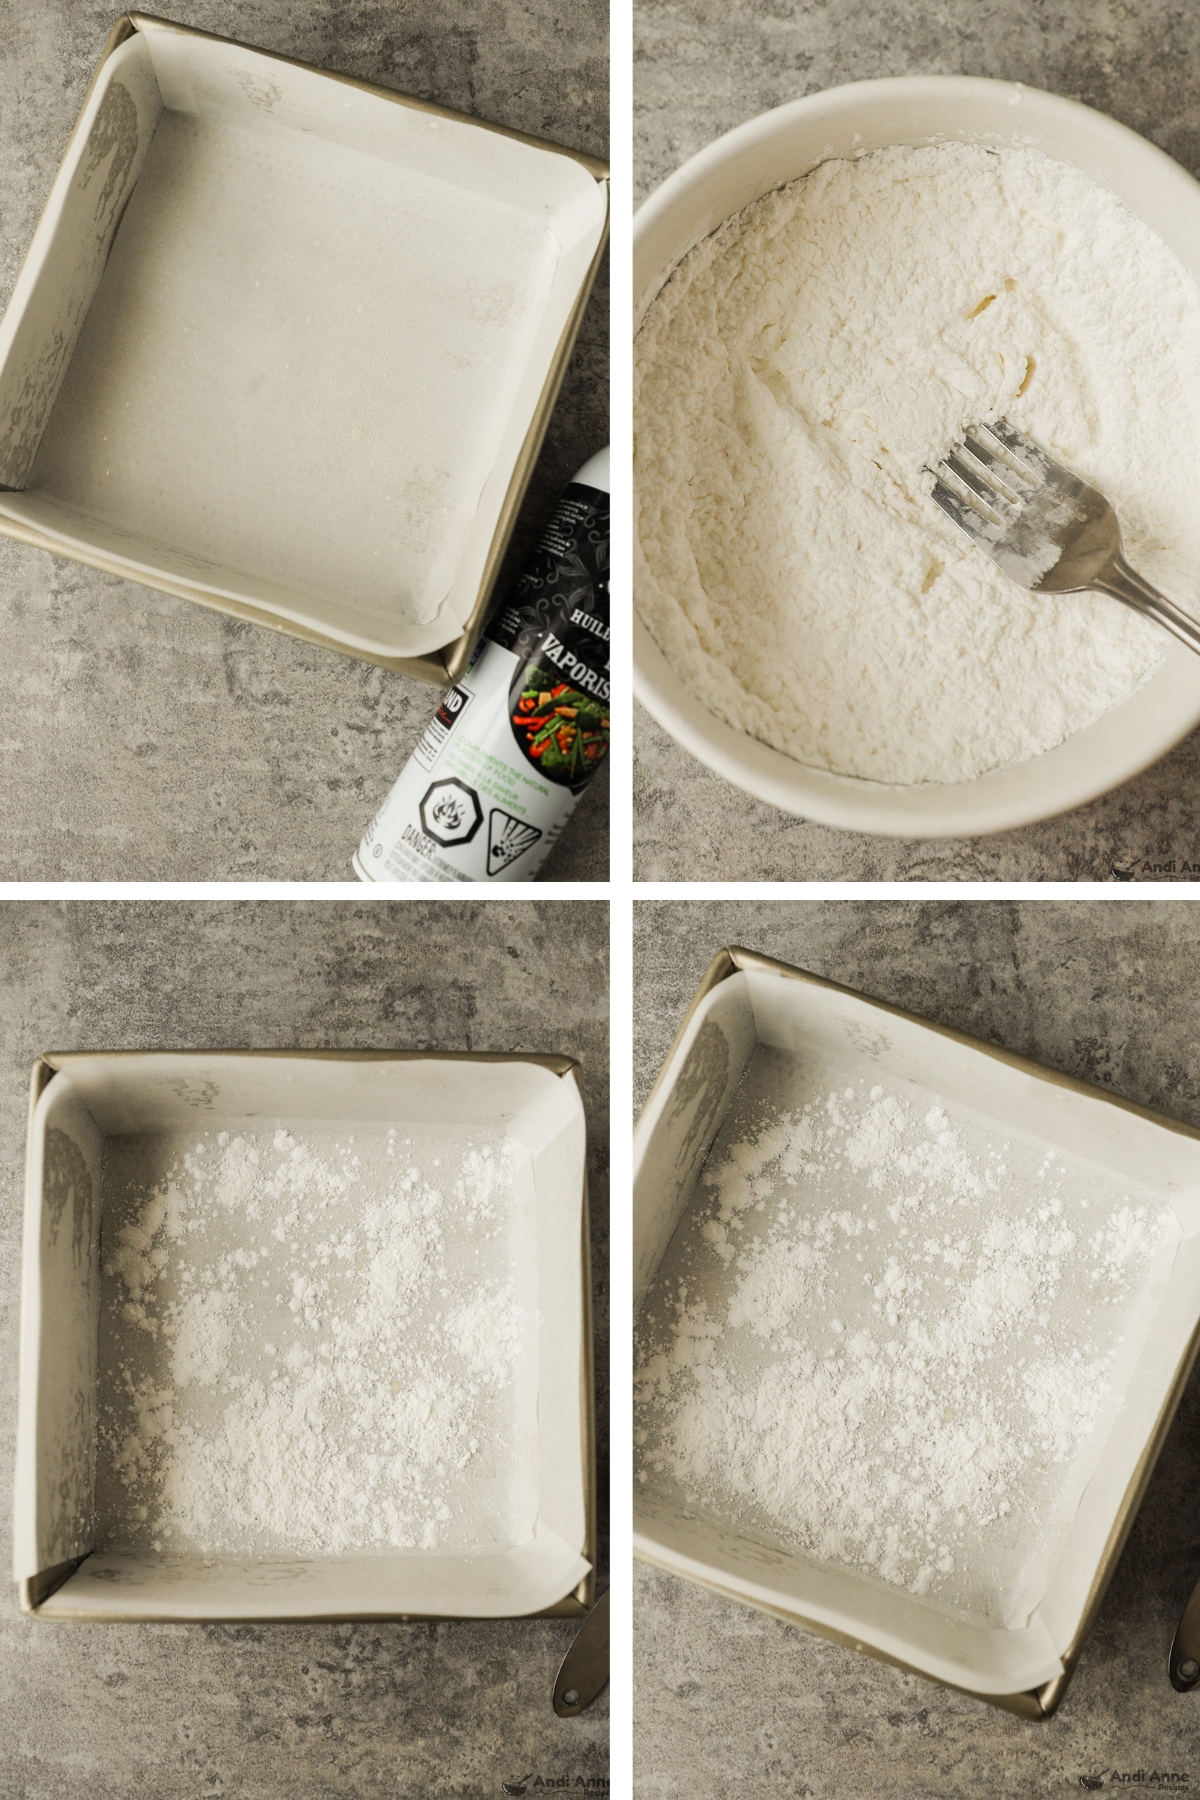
{"x":883,"y":1337}
{"x":310,"y":1342}
{"x":794,"y":378}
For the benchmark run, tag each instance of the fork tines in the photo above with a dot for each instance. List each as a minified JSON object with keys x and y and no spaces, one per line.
{"x":987,"y":479}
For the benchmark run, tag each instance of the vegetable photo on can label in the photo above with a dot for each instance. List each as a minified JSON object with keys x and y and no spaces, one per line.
{"x":561,"y":729}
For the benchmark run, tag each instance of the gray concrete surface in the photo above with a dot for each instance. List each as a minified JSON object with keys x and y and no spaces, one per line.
{"x":145,"y":738}
{"x":729,"y":1702}
{"x":307,"y":1711}
{"x":699,"y":70}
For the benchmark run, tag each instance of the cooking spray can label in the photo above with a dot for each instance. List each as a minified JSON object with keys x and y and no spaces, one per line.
{"x":513,"y":744}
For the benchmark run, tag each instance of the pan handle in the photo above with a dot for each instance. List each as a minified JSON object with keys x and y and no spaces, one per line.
{"x":1183,"y":1664}
{"x":584,"y":1671}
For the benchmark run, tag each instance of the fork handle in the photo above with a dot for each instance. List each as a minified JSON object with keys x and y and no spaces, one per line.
{"x":1123,"y":583}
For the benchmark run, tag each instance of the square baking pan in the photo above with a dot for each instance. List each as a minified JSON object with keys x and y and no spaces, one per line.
{"x":1022,"y":1663}
{"x":81,"y":1103}
{"x":287,"y":343}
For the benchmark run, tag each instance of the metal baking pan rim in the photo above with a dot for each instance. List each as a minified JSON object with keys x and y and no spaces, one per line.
{"x":1036,"y":1703}
{"x":34,"y":1590}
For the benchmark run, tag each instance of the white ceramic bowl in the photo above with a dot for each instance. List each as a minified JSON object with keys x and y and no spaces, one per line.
{"x":765,"y":154}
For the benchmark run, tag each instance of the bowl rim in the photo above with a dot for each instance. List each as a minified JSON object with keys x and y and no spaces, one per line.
{"x":999,"y":800}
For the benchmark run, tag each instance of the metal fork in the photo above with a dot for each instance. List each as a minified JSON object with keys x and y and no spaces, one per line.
{"x":1044,"y":527}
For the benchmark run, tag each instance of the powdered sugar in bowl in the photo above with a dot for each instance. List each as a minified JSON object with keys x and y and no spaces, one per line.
{"x":882,"y":726}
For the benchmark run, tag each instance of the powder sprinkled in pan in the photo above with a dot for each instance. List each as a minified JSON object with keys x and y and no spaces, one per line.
{"x":883,"y":1337}
{"x":308,"y":1344}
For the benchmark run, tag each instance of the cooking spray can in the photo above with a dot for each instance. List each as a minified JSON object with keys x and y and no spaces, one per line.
{"x":513,"y":744}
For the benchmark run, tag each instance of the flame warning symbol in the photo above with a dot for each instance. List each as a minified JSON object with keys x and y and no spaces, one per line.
{"x":508,"y":838}
{"x":450,"y":812}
